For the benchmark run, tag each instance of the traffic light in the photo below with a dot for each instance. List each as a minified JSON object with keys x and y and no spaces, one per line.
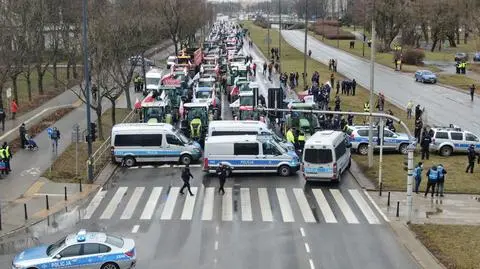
{"x":93,"y":130}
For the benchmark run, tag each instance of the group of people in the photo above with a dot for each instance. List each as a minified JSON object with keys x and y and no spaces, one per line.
{"x":274,"y":54}
{"x":435,"y":179}
{"x":332,"y":65}
{"x":223,"y":171}
{"x":138,"y":83}
{"x":291,"y":79}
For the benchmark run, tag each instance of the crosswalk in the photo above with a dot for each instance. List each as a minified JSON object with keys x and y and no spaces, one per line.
{"x":244,"y":204}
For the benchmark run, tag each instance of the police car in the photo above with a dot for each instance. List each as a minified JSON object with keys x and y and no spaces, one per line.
{"x":358,"y":136}
{"x":446,"y":140}
{"x":81,"y":250}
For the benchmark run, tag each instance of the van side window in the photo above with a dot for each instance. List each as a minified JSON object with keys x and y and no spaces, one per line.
{"x":340,"y":149}
{"x":318,"y":156}
{"x":139,"y":140}
{"x":218,"y":133}
{"x":387,"y":133}
{"x":173,"y":140}
{"x":362,"y":132}
{"x":269,"y":149}
{"x":456,"y":136}
{"x":441,"y":135}
{"x":245,"y":149}
{"x":471,"y":137}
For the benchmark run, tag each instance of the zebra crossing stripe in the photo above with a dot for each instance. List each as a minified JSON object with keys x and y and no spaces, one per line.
{"x":304,"y":206}
{"x":324,"y":207}
{"x":170,"y":204}
{"x":342,"y":203}
{"x":112,"y":206}
{"x":227,"y":205}
{"x":265,"y":207}
{"x":362,"y":204}
{"x":207,"y":212}
{"x":189,"y":205}
{"x":132,"y":203}
{"x":246,"y":204}
{"x":151,"y":204}
{"x":97,"y":199}
{"x":285,"y":207}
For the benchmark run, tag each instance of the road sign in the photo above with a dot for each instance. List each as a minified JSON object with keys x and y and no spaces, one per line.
{"x":76,"y":136}
{"x":9,"y":93}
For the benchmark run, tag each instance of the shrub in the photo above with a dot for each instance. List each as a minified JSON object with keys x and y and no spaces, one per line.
{"x":413,"y":56}
{"x":261,"y":22}
{"x":332,"y":32}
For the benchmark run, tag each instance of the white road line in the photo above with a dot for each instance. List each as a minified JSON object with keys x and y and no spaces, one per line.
{"x":207,"y":212}
{"x":307,"y":248}
{"x":112,"y":206}
{"x":132,"y":203}
{"x":312,"y":266}
{"x":265,"y":204}
{"x":97,"y":199}
{"x":285,"y":207}
{"x":376,"y":206}
{"x":216,"y":245}
{"x":227,"y":205}
{"x":151,"y":203}
{"x":246,"y":204}
{"x":302,"y":231}
{"x":324,"y":207}
{"x":217,"y":229}
{"x":363,"y":205}
{"x":170,"y":203}
{"x":189,"y":205}
{"x":135,"y":229}
{"x":342,"y":203}
{"x":304,"y":206}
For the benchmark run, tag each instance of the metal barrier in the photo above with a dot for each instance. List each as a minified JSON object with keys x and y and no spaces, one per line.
{"x":102,"y":155}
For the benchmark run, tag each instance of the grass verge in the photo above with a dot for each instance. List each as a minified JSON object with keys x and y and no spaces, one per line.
{"x":64,"y":168}
{"x":394,"y":176}
{"x":456,"y":246}
{"x":458,"y":81}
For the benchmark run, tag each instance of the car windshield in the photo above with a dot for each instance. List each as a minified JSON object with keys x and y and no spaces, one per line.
{"x":279,"y":147}
{"x":208,"y":84}
{"x":153,"y":81}
{"x":202,"y":95}
{"x":428,"y":73}
{"x":52,"y":249}
{"x":182,"y":137}
{"x":246,"y":101}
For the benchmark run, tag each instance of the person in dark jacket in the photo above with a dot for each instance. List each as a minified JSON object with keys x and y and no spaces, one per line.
{"x":441,"y":179}
{"x":425,"y":144}
{"x":186,"y":175}
{"x":3,"y":116}
{"x":432,"y":176}
{"x":23,"y":132}
{"x":222,"y":173}
{"x":471,"y":158}
{"x":354,"y":86}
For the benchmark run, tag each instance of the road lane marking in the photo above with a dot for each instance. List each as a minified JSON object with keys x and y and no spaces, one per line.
{"x":376,"y":206}
{"x":304,"y":206}
{"x":342,"y":203}
{"x":217,"y":229}
{"x":170,"y":203}
{"x":324,"y":207}
{"x":246,"y":204}
{"x":207,"y":212}
{"x":97,"y":199}
{"x":189,"y":205}
{"x":363,"y":205}
{"x":312,"y":266}
{"x":132,"y":203}
{"x":112,"y":206}
{"x":151,"y":203}
{"x":227,"y":205}
{"x":265,"y":207}
{"x":216,"y":245}
{"x":135,"y":229}
{"x":307,"y":248}
{"x":302,"y":231}
{"x":285,"y":207}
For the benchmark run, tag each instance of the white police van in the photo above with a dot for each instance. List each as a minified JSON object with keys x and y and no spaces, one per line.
{"x":245,"y":127}
{"x":249,"y":154}
{"x":326,"y":156}
{"x":152,"y":142}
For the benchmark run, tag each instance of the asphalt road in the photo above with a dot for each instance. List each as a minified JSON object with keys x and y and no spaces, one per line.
{"x":443,"y":105}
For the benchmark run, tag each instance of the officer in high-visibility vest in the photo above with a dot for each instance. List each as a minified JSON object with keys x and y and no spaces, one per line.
{"x":432,"y":176}
{"x":366,"y":109}
{"x":290,"y":136}
{"x":2,"y":158}
{"x":8,"y":156}
{"x":301,"y":140}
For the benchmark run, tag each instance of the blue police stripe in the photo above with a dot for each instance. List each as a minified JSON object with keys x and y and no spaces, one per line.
{"x":83,"y":261}
{"x":246,"y":162}
{"x":317,"y":170}
{"x":146,"y":152}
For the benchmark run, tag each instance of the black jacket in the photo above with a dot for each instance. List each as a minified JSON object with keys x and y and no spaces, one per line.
{"x":186,"y":175}
{"x":426,"y":140}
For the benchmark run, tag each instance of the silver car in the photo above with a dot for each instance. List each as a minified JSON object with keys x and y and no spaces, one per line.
{"x":82,"y":250}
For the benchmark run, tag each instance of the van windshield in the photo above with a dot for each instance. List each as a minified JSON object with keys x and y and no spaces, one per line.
{"x":153,"y":81}
{"x":318,"y":156}
{"x":182,"y":137}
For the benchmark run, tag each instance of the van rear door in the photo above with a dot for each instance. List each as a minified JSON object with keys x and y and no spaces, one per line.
{"x":318,"y":162}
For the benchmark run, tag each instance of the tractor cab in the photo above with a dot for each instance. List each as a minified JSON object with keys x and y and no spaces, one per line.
{"x":303,"y":121}
{"x":156,"y":110}
{"x":197,"y":117}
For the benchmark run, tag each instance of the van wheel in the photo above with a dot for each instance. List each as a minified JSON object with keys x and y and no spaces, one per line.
{"x":110,"y":265}
{"x":185,"y":159}
{"x":446,"y":151}
{"x":403,"y":148}
{"x":349,"y":164}
{"x":363,"y":149}
{"x":284,"y":170}
{"x":129,"y":161}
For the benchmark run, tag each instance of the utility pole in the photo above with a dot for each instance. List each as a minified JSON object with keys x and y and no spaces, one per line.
{"x":86,"y":75}
{"x":279,"y":34}
{"x":305,"y":46}
{"x":372,"y":83}
{"x":268,"y":30}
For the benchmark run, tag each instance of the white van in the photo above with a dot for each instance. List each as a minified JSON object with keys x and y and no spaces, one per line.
{"x":153,"y":79}
{"x":245,"y":127}
{"x":133,"y":143}
{"x":249,"y":154}
{"x":326,"y":156}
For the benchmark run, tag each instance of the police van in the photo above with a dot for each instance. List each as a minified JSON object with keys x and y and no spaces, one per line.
{"x":133,"y":143}
{"x":246,"y":127}
{"x":249,"y":154}
{"x":326,"y":156}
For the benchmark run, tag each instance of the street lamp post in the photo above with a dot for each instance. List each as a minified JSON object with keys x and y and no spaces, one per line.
{"x":305,"y":45}
{"x":86,"y":75}
{"x":372,"y":84}
{"x":279,"y":34}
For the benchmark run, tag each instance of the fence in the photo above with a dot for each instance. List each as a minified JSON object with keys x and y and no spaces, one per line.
{"x":102,"y":155}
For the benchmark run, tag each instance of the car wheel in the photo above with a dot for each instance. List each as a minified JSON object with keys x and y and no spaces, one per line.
{"x":416,"y":79}
{"x":129,"y":161}
{"x":422,"y":80}
{"x":284,"y":171}
{"x":349,"y":164}
{"x":110,"y":265}
{"x":446,"y":150}
{"x":434,"y":81}
{"x":186,"y":159}
{"x":363,"y":149}
{"x":403,"y":148}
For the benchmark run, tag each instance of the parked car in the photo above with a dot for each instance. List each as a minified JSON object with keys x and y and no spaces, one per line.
{"x":425,"y":76}
{"x":476,"y":57}
{"x":358,"y":136}
{"x":461,"y":57}
{"x":452,"y":139}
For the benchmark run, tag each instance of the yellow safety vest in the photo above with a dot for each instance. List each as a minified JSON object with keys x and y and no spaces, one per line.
{"x":7,"y":152}
{"x":301,"y":138}
{"x":2,"y":153}
{"x":290,"y":136}
{"x":366,"y":107}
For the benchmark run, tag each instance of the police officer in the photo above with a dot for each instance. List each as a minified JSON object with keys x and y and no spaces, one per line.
{"x":136,"y":82}
{"x":366,"y":109}
{"x":418,"y":176}
{"x":471,"y":158}
{"x":441,"y":179}
{"x":3,"y":158}
{"x":222,"y":171}
{"x":8,"y":156}
{"x":418,"y":128}
{"x":186,"y":175}
{"x":432,"y":176}
{"x":472,"y":91}
{"x":290,"y":136}
{"x":425,"y":144}
{"x":301,"y":140}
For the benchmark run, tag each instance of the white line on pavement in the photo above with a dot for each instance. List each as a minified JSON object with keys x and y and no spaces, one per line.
{"x":312,"y":266}
{"x":342,"y":203}
{"x":216,"y":245}
{"x":246,"y":204}
{"x":324,"y":207}
{"x":170,"y":204}
{"x":132,"y":203}
{"x":285,"y":207}
{"x":265,"y":204}
{"x":363,"y":205}
{"x":217,"y":229}
{"x":112,"y":206}
{"x":97,"y":199}
{"x":304,"y":206}
{"x":151,"y":203}
{"x":189,"y":205}
{"x":207,"y":212}
{"x":376,"y":206}
{"x":302,"y":231}
{"x":307,"y":248}
{"x":227,"y":205}
{"x":135,"y":229}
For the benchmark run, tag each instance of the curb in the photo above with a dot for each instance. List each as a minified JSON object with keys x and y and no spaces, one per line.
{"x":364,"y":182}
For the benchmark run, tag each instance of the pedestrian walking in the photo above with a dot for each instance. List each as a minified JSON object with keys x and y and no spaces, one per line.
{"x":8,"y":157}
{"x":3,"y":164}
{"x":418,"y":128}
{"x":472,"y":91}
{"x":13,"y":108}
{"x":23,"y":132}
{"x":186,"y":175}
{"x":441,"y":179}
{"x":254,"y":69}
{"x":54,"y":134}
{"x":332,"y":79}
{"x":2,"y":118}
{"x":432,"y":176}
{"x":471,"y":154}
{"x":222,"y":177}
{"x":264,"y":70}
{"x":354,"y":86}
{"x":309,"y":53}
{"x":409,"y":109}
{"x":338,"y":86}
{"x":418,"y":176}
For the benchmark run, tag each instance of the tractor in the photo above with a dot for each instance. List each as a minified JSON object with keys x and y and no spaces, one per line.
{"x":156,"y":110}
{"x":305,"y":122}
{"x":197,"y":117}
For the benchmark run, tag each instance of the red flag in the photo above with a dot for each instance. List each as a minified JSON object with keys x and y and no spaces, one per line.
{"x":138,"y":104}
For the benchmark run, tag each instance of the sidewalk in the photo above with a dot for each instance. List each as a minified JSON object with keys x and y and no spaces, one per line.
{"x":24,"y":184}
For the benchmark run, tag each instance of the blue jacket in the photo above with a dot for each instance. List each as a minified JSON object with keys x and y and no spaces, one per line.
{"x":433,"y":174}
{"x":417,"y":173}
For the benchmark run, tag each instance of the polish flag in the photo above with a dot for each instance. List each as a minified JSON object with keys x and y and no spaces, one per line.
{"x":138,"y":104}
